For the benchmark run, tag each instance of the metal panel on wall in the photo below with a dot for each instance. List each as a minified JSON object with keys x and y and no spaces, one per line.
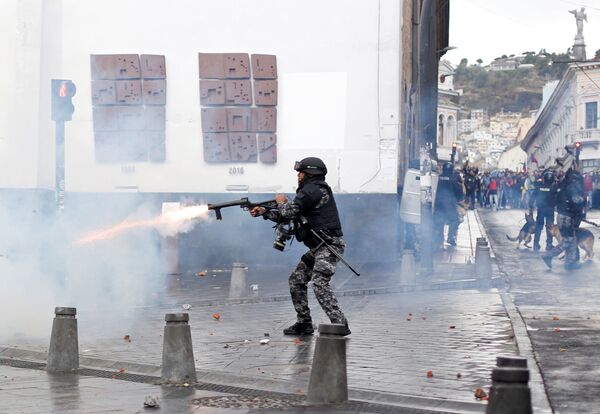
{"x":153,"y":67}
{"x":225,"y":79}
{"x":212,"y":92}
{"x":128,"y":111}
{"x":264,"y":66}
{"x":216,"y":147}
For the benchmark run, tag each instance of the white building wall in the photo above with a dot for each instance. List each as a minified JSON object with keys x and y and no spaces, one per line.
{"x":345,"y":53}
{"x":20,"y":42}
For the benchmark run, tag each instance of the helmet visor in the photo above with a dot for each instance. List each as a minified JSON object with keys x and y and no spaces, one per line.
{"x":297,"y":165}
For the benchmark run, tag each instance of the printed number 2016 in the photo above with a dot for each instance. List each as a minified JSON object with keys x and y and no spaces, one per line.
{"x":236,"y":170}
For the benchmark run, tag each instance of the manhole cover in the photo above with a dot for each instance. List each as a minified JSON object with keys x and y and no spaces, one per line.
{"x":244,"y":402}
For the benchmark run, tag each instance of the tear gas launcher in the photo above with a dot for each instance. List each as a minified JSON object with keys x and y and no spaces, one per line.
{"x":284,"y":230}
{"x":244,"y":203}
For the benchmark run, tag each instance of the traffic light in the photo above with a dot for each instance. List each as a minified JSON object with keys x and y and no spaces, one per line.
{"x":577,"y":150}
{"x":62,"y":105}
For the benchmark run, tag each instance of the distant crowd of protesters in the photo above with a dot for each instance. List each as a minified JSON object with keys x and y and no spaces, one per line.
{"x":504,"y":189}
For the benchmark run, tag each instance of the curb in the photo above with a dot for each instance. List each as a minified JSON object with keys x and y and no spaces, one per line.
{"x":88,"y":365}
{"x":539,"y":396}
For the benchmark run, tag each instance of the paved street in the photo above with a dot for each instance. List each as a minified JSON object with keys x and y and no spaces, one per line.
{"x":561,"y":310}
{"x":397,"y":337}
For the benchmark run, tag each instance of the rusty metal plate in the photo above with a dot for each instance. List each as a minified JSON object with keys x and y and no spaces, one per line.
{"x":129,"y":92}
{"x":127,"y":66}
{"x":153,"y":66}
{"x":266,"y":140}
{"x":237,"y":65}
{"x":212,"y":92}
{"x":156,"y":146}
{"x":238,"y":119}
{"x":155,"y":91}
{"x":242,"y":146}
{"x":264,"y":119}
{"x":106,"y":146}
{"x":216,"y":147}
{"x":211,"y":65}
{"x":214,"y":119}
{"x":265,"y":92}
{"x":154,"y":118}
{"x":267,"y":148}
{"x":264,"y":66}
{"x":238,"y":92}
{"x":103,"y":92}
{"x":269,"y":156}
{"x":106,"y":118}
{"x":133,"y":146}
{"x":103,"y":67}
{"x":131,"y":118}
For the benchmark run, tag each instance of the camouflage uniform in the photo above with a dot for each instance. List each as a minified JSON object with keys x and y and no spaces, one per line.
{"x":318,"y":265}
{"x":568,"y":244}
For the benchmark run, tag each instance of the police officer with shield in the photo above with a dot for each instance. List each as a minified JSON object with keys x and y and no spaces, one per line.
{"x":545,"y":199}
{"x":448,"y":194}
{"x":313,"y":209}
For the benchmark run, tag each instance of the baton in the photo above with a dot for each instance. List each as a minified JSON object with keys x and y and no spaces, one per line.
{"x":335,"y":252}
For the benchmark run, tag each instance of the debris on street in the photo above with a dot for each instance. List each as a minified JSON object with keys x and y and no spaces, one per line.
{"x":152,"y":401}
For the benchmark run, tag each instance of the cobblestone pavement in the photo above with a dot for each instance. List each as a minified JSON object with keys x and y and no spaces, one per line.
{"x":561,"y":310}
{"x":396,"y":337}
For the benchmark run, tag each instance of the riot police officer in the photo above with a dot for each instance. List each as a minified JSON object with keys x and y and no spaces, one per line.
{"x":544,"y":196}
{"x":315,"y":208}
{"x":449,"y":193}
{"x":570,"y":205}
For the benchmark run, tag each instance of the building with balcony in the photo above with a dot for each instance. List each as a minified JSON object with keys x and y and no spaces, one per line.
{"x":570,"y":115}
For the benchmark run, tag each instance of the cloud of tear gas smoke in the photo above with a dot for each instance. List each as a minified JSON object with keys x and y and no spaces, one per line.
{"x":169,"y":223}
{"x":108,"y":279}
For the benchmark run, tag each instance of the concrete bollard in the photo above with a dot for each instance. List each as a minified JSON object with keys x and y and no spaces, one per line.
{"x":178,"y":355}
{"x":483,"y":263}
{"x":63,"y":354}
{"x":237,"y":286}
{"x":328,"y":382}
{"x":481,"y":241}
{"x":509,"y":392}
{"x":408,"y":270}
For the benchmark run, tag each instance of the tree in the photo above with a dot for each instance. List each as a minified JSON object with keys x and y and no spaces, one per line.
{"x":479,"y":61}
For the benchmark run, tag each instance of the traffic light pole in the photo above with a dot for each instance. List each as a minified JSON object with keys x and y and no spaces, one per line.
{"x":60,"y":166}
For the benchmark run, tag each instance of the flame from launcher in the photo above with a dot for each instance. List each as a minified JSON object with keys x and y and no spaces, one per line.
{"x":169,"y":223}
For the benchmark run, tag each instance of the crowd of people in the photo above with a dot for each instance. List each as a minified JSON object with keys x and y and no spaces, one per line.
{"x":568,"y":193}
{"x":503,"y":189}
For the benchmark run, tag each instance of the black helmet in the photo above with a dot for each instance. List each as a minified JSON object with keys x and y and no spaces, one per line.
{"x":548,"y":177}
{"x":447,"y":169}
{"x":311,"y":166}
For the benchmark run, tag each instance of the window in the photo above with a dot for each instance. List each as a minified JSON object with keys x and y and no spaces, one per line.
{"x":591,"y":115}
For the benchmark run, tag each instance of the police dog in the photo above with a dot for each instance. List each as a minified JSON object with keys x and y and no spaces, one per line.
{"x":584,"y":238}
{"x":526,"y":231}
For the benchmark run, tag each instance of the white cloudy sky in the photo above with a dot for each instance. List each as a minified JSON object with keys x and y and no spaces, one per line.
{"x":487,"y":29}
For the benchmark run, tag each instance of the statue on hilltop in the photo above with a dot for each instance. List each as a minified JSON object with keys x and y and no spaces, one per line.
{"x":580,"y":16}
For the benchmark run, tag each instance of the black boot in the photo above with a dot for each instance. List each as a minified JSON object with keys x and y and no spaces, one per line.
{"x":299,"y":328}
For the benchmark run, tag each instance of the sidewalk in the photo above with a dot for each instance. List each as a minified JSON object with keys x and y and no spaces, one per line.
{"x":398,"y":334}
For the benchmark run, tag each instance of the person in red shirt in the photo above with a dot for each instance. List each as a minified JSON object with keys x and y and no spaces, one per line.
{"x":492,"y":193}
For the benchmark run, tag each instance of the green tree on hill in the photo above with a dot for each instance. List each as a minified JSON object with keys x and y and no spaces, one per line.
{"x":517,"y":90}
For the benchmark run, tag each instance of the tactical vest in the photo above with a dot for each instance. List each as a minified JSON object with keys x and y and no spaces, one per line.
{"x":325,"y":217}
